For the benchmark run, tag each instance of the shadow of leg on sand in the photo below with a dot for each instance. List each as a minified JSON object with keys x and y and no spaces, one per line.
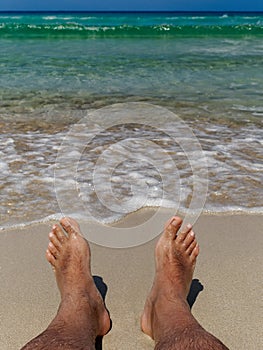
{"x":102,"y":288}
{"x":195,"y":289}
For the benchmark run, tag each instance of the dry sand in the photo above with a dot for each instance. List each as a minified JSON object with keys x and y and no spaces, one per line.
{"x":229,"y":268}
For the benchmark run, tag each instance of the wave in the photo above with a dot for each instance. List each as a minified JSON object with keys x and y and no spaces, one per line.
{"x":78,"y":30}
{"x":223,"y":211}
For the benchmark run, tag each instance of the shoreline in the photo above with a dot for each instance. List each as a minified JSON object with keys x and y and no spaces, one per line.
{"x":228,"y":268}
{"x":31,"y":222}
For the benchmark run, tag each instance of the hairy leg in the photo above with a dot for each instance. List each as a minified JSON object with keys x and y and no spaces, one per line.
{"x":167,"y":317}
{"x":82,"y":315}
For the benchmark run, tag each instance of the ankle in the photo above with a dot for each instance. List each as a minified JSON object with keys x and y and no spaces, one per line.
{"x":169,"y":314}
{"x":171,"y":299}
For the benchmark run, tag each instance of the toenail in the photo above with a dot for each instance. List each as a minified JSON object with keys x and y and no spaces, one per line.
{"x":174,"y":222}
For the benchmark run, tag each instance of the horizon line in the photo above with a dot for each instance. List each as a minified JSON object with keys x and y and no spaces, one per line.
{"x":134,"y":11}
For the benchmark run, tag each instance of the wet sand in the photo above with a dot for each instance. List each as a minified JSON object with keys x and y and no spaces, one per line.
{"x":229,"y":271}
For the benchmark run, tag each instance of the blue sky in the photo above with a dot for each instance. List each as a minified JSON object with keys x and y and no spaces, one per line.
{"x":123,"y":5}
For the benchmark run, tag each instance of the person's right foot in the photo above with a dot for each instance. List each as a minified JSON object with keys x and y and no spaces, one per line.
{"x":175,"y":257}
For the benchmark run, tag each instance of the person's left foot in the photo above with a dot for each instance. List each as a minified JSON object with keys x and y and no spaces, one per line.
{"x":69,"y":255}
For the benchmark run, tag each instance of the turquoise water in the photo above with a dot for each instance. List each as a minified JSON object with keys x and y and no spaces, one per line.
{"x":130,"y":24}
{"x":56,"y":67}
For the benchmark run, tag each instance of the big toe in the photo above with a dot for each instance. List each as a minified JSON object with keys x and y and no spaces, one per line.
{"x":70,"y":226}
{"x":172,"y":227}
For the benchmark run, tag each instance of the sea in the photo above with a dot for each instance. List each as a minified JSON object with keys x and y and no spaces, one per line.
{"x":102,"y":114}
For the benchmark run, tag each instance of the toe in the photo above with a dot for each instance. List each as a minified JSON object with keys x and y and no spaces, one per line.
{"x":59,"y":234}
{"x":54,"y":239}
{"x":53,"y":250}
{"x":190,"y":237}
{"x":195,"y":251}
{"x":191,"y":247}
{"x":70,"y":225}
{"x":172,"y":227}
{"x":184,"y":233}
{"x":50,"y":258}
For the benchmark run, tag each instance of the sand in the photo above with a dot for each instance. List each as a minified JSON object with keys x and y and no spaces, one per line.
{"x":229,"y":269}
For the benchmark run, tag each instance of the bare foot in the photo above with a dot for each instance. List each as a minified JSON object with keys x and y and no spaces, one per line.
{"x":81,"y":302}
{"x":175,"y":258}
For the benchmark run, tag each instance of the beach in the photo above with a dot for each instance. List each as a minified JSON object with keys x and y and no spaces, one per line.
{"x":121,"y":120}
{"x":228,"y":269}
